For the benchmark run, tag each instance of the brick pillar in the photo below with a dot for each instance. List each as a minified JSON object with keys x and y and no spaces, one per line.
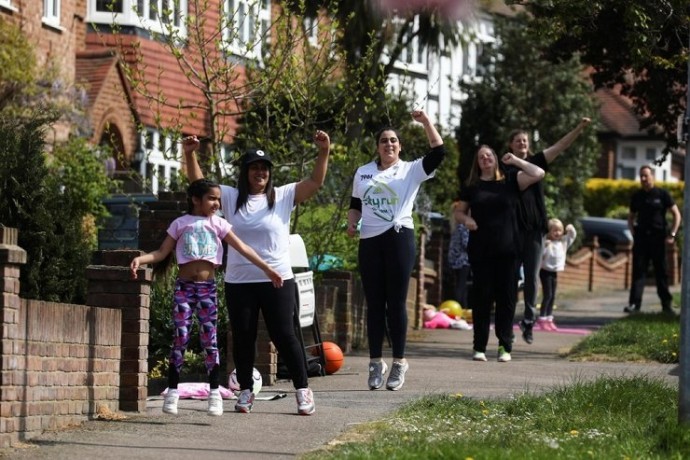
{"x":334,"y":309}
{"x":154,"y":221}
{"x":436,"y":249}
{"x":12,"y":257}
{"x":420,"y":300}
{"x":673,"y":265}
{"x":110,"y":286}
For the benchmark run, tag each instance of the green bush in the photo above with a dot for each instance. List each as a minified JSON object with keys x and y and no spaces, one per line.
{"x":611,"y":197}
{"x":53,"y":200}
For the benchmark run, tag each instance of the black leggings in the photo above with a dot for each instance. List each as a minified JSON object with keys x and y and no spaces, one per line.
{"x":385,"y":265}
{"x":494,"y":283}
{"x":549,"y":283}
{"x":244,"y":301}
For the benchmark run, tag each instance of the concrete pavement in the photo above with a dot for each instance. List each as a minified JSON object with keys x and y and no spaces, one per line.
{"x":440,"y":362}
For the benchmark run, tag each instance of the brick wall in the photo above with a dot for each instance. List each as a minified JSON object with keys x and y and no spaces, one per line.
{"x":61,"y":363}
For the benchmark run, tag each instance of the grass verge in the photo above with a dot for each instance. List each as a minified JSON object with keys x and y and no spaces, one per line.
{"x":639,"y":337}
{"x":623,"y":418}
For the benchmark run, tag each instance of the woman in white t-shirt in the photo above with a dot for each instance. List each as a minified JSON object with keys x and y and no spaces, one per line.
{"x":383,"y":195}
{"x":260,"y":215}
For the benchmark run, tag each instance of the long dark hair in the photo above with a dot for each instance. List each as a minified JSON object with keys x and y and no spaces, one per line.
{"x":243,"y":187}
{"x":198,"y":189}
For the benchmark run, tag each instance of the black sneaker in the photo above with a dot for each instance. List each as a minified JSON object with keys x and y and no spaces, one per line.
{"x":526,"y":331}
{"x":667,"y":309}
{"x":631,"y":309}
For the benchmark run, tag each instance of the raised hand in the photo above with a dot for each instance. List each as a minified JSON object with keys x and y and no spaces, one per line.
{"x":322,"y":140}
{"x":190,"y":144}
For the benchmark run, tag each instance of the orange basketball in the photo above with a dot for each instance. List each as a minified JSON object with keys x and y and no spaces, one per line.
{"x":333,"y":356}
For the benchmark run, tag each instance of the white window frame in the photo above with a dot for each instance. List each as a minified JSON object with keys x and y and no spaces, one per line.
{"x":418,"y":58}
{"x":157,"y":166}
{"x":7,"y":4}
{"x":311,"y":29}
{"x":131,"y":16}
{"x":51,"y":13}
{"x":247,"y":26}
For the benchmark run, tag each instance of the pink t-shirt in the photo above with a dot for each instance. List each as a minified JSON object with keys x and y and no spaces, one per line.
{"x":199,"y":238}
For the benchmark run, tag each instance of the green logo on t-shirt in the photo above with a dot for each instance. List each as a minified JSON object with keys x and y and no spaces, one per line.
{"x":382,"y":200}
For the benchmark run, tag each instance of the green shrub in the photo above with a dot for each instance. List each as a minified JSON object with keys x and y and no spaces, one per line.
{"x":608,"y":197}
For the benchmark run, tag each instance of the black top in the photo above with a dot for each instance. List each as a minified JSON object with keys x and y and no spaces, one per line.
{"x":650,"y":207}
{"x":531,"y":210}
{"x":492,"y":205}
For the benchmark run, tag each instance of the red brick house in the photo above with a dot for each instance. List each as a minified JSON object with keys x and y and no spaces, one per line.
{"x":625,"y":147}
{"x":98,"y":44}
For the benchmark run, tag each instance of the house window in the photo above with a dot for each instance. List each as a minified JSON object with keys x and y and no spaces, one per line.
{"x":159,"y":167}
{"x":109,"y":6}
{"x":628,"y":173}
{"x":311,"y":31}
{"x":413,"y":54}
{"x":628,"y":153}
{"x":248,"y":22}
{"x":650,"y":155}
{"x":151,"y":15}
{"x":51,"y":12}
{"x":6,"y":3}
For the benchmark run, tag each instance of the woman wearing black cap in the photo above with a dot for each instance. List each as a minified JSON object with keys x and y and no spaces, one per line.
{"x":260,"y":215}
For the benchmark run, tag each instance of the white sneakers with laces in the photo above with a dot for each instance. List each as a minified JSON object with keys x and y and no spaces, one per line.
{"x":215,"y":403}
{"x":305,"y":401}
{"x":170,"y":401}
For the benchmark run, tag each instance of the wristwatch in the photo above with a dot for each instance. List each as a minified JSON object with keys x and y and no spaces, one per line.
{"x":673,"y":235}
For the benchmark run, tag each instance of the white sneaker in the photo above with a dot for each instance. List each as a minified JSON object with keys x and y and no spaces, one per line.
{"x":215,"y":403}
{"x":305,"y":401}
{"x":479,"y":356}
{"x":503,"y":355}
{"x":170,"y":402}
{"x":245,"y":401}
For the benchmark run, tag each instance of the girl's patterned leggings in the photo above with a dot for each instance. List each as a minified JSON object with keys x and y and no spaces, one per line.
{"x":198,"y":298}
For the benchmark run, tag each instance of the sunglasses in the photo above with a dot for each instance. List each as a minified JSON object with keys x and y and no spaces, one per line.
{"x":386,"y":140}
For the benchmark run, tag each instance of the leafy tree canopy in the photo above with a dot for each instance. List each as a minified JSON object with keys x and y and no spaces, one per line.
{"x":640,"y":45}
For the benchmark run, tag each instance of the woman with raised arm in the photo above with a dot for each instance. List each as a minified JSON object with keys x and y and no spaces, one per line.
{"x":383,"y":195}
{"x":487,"y":208}
{"x":260,"y":212}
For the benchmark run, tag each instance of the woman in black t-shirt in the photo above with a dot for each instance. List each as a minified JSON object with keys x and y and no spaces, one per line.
{"x":487,"y":207}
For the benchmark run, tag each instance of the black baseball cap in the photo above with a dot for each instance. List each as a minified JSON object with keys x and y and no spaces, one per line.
{"x":254,"y":155}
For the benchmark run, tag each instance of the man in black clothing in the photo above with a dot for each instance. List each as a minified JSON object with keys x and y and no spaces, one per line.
{"x":647,"y":222}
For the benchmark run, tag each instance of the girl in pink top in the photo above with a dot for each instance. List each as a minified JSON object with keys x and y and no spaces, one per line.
{"x":197,"y":239}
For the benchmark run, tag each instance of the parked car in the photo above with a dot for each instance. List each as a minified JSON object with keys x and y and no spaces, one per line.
{"x":612,"y":234}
